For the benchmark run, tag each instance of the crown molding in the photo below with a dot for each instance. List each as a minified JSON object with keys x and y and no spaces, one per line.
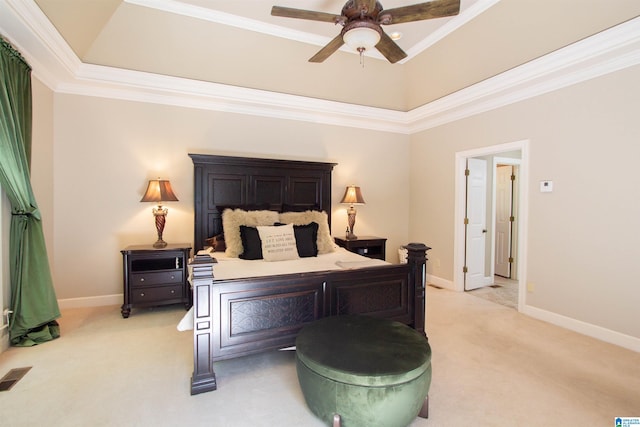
{"x":52,"y":60}
{"x":107,"y":82}
{"x":54,"y":63}
{"x":606,"y":52}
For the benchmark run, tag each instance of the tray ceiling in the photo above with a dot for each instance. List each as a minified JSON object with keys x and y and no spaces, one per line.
{"x":239,"y":43}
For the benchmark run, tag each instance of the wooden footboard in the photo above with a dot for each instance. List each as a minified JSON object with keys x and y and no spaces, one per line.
{"x":238,"y":317}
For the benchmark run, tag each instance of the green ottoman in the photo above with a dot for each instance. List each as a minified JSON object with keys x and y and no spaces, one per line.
{"x":363,"y":371}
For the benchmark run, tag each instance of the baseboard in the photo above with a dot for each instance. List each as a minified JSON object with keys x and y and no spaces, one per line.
{"x":588,"y":329}
{"x":598,"y":332}
{"x":439,"y":281}
{"x":90,"y":301}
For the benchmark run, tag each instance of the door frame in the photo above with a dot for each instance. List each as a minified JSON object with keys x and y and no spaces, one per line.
{"x":523,"y":209}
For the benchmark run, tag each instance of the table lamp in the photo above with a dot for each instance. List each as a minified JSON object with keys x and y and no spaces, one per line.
{"x":158,"y":191}
{"x":352,"y":196}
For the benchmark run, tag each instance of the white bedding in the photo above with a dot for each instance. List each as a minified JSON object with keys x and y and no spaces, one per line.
{"x":234,"y":268}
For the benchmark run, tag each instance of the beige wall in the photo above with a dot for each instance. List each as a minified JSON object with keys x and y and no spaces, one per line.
{"x":93,"y":157}
{"x":42,"y":158}
{"x":582,"y":238}
{"x":106,"y":150}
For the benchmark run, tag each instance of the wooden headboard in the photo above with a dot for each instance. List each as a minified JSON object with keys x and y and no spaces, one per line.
{"x":251,"y":183}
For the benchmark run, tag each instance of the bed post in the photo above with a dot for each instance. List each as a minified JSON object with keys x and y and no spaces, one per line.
{"x":203,"y":378}
{"x":417,"y":260}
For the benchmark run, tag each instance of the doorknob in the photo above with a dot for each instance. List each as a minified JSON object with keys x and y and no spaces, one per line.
{"x":484,"y":231}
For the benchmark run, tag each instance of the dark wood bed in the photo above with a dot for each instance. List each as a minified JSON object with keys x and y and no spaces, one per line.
{"x":237,"y":317}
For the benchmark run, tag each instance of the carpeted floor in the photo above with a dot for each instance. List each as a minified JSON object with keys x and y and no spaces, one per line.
{"x":492,"y":366}
{"x":503,"y":292}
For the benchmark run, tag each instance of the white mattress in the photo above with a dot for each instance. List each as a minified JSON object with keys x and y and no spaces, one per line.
{"x":235,"y":268}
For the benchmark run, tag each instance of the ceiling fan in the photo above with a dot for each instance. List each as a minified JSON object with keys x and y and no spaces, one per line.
{"x":362,"y":22}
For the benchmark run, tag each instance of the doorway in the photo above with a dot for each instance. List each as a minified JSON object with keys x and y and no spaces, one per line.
{"x":514,"y":155}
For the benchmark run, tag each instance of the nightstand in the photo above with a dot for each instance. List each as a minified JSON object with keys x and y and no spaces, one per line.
{"x":155,"y":276}
{"x":369,"y":246}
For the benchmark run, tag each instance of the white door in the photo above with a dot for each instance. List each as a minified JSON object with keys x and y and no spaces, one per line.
{"x":504,"y":200}
{"x":476,"y":229}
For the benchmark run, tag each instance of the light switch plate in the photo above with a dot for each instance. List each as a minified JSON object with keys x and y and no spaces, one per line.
{"x":546,"y":186}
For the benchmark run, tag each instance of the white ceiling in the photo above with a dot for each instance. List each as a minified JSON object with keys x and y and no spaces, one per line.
{"x":239,"y":44}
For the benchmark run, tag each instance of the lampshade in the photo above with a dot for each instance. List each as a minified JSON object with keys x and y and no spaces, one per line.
{"x":361,"y":38}
{"x":159,"y":190}
{"x":353,"y":196}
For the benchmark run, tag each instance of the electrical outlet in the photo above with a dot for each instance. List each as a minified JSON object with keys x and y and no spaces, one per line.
{"x":531,"y":287}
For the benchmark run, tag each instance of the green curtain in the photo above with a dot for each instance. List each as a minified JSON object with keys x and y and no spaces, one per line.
{"x":33,"y":299}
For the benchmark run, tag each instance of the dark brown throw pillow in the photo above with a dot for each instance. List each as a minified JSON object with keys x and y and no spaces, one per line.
{"x":217,"y":243}
{"x":251,"y":243}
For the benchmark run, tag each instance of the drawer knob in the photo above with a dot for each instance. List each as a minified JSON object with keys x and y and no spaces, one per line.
{"x":142,"y":279}
{"x":173,"y":276}
{"x":141,"y":294}
{"x":173,"y":291}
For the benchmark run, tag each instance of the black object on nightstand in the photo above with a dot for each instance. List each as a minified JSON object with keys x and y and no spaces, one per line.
{"x":154,"y":276}
{"x":369,"y":246}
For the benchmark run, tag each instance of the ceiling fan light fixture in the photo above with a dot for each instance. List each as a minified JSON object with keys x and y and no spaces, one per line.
{"x":361,"y":39}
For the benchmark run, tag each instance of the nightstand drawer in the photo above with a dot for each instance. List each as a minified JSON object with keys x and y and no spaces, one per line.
{"x":159,"y":293}
{"x":156,"y":278}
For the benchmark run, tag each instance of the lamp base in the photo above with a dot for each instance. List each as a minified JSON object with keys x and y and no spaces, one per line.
{"x":351,"y":221}
{"x":160,"y":244}
{"x":160,"y":214}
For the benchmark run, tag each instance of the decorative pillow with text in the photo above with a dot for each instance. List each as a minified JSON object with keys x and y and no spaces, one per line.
{"x":278,"y":242}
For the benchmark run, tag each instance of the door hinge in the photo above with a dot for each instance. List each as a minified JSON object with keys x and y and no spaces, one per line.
{"x":466,"y":172}
{"x":513,"y":177}
{"x":466,"y":221}
{"x":510,"y":259}
{"x":465,"y":269}
{"x":512,"y":218}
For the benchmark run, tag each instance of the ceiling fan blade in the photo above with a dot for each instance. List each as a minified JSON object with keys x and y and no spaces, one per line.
{"x":328,"y":50}
{"x":288,"y":12}
{"x":421,"y":11}
{"x":390,"y":49}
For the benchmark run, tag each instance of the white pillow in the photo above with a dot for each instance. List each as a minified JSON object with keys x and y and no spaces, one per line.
{"x":278,"y":242}
{"x":324,"y":240}
{"x":232,"y":219}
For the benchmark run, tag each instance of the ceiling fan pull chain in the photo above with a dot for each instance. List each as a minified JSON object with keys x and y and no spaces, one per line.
{"x":361,"y":51}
